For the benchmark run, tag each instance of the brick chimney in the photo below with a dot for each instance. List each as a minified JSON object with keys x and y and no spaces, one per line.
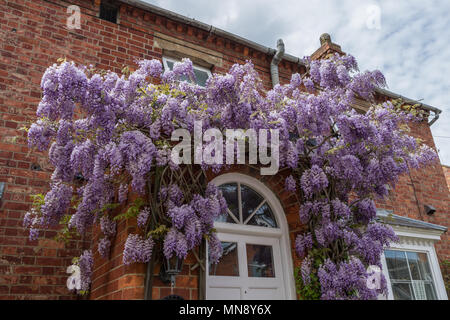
{"x":327,"y":47}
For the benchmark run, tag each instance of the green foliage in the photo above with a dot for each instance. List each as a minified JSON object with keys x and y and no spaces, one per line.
{"x":109,"y":206}
{"x":159,"y":232}
{"x":312,"y":290}
{"x":126,"y":71}
{"x":132,"y":211}
{"x":307,"y":292}
{"x":38,"y":200}
{"x":207,"y":235}
{"x":402,"y":106}
{"x":65,"y":234}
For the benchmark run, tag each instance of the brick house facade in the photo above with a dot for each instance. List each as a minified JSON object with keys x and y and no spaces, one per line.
{"x":35,"y":35}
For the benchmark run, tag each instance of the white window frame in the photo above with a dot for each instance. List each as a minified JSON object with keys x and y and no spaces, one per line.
{"x":416,"y":240}
{"x":166,"y":67}
{"x":281,"y":232}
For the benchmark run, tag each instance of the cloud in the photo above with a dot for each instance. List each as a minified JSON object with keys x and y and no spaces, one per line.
{"x":406,"y":40}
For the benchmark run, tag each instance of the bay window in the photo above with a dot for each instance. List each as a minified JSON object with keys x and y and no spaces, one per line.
{"x":410,"y":275}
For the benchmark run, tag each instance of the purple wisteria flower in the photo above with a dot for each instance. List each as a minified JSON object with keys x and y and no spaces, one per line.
{"x":104,"y":247}
{"x":313,"y":180}
{"x":142,"y":218}
{"x":175,"y":242}
{"x":305,"y":270}
{"x":113,"y":131}
{"x":123,"y":193}
{"x":303,"y":243}
{"x":290,"y":184}
{"x":338,"y":280}
{"x":108,"y":226}
{"x":86,"y":264}
{"x":180,"y":215}
{"x":137,"y":249}
{"x":215,"y":248}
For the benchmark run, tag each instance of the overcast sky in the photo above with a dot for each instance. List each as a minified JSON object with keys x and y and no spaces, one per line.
{"x":406,"y":40}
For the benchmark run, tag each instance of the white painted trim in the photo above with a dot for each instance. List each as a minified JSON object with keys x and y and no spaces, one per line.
{"x":403,"y":231}
{"x":248,"y":229}
{"x":239,"y":194}
{"x":282,"y":232}
{"x":412,"y":241}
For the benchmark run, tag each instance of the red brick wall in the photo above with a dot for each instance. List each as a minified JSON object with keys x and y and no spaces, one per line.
{"x":34,"y":36}
{"x":425,"y":186}
{"x":112,"y":280}
{"x":31,"y":40}
{"x":446,"y":170}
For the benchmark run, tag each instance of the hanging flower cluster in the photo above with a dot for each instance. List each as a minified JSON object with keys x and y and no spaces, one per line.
{"x":114,"y":132}
{"x":86,"y":264}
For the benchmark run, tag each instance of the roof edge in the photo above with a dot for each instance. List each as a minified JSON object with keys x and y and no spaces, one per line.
{"x":425,"y":106}
{"x":394,"y":219}
{"x":256,"y":46}
{"x":209,"y":28}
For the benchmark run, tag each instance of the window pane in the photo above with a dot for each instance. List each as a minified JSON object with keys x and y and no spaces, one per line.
{"x":250,"y":201}
{"x":225,"y":218}
{"x":229,"y":192}
{"x":419,"y":290}
{"x":402,"y":291}
{"x":413,"y":260}
{"x":201,"y":77}
{"x":263,"y":217}
{"x":260,"y":261}
{"x":397,"y":265}
{"x":228,"y":265}
{"x":431,"y":293}
{"x":169,"y":64}
{"x":424,"y":267}
{"x":402,"y":263}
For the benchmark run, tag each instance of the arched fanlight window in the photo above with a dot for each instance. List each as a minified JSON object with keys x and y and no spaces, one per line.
{"x":246,"y":207}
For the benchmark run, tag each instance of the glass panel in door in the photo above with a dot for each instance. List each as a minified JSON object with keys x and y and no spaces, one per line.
{"x":228,"y":264}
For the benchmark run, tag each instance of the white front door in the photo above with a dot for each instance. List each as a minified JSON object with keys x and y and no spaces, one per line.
{"x":256,"y":262}
{"x":250,"y":269}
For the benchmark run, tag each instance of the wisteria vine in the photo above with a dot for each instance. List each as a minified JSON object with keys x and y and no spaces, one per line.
{"x":108,"y":135}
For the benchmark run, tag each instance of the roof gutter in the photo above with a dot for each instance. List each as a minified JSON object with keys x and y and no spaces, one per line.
{"x":425,"y":106}
{"x":209,"y":28}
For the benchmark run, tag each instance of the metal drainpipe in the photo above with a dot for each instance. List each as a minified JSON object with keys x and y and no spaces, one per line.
{"x":436,"y":116}
{"x":275,"y":61}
